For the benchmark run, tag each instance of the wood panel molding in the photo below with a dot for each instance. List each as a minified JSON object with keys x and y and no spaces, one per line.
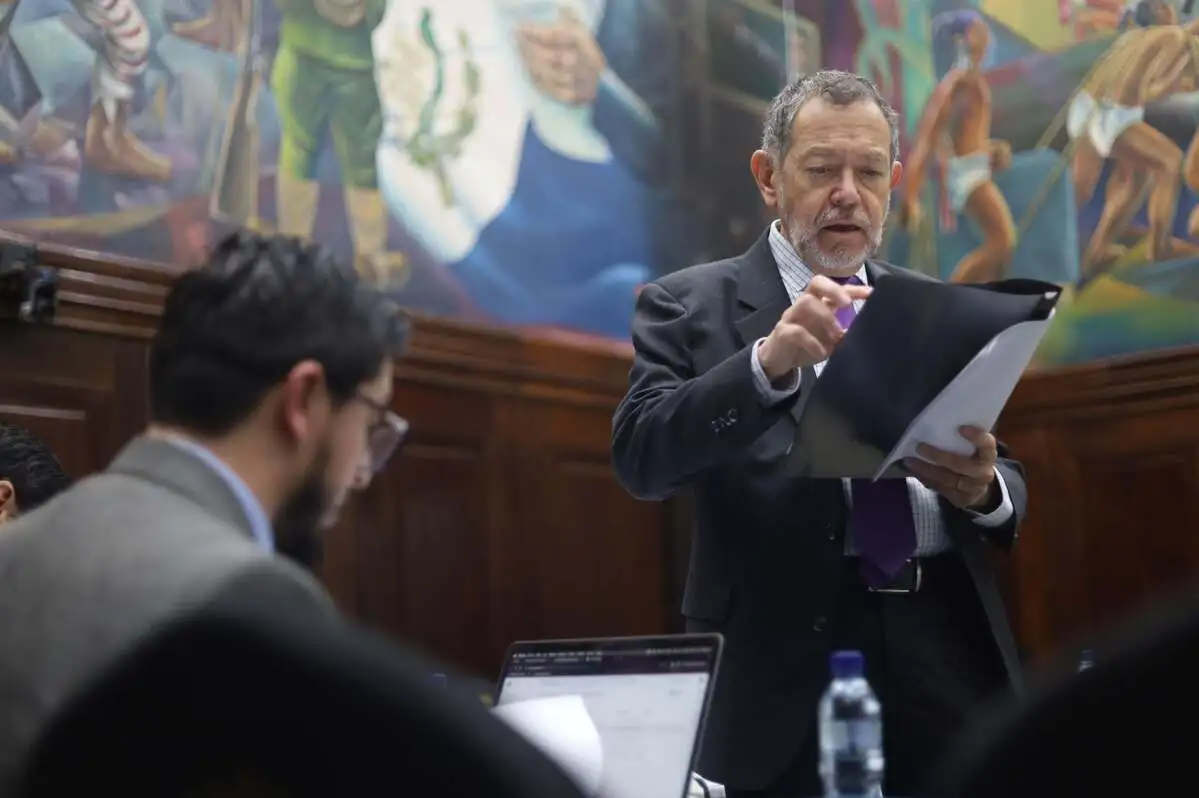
{"x":1152,"y":380}
{"x":458,"y":545}
{"x":503,"y":519}
{"x":124,"y":297}
{"x":1112,"y":454}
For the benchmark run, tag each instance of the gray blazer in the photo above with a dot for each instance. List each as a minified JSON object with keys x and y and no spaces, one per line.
{"x":95,"y":569}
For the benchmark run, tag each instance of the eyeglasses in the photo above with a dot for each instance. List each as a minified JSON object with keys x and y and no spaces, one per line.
{"x":386,"y":435}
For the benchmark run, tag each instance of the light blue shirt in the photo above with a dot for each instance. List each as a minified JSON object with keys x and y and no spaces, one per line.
{"x":260,"y":525}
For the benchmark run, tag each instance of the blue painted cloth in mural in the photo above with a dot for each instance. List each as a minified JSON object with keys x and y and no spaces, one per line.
{"x":569,"y":249}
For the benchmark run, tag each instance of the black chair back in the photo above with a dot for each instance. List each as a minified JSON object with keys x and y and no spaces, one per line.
{"x":1122,"y":728}
{"x":244,"y":692}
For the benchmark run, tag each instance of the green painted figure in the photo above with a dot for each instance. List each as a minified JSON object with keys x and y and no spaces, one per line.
{"x":323,"y":79}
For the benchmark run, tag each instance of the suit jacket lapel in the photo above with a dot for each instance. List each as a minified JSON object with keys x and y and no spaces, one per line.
{"x":763,"y":298}
{"x":761,"y":295}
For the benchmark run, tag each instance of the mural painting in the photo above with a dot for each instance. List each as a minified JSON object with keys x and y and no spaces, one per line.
{"x":1055,"y":141}
{"x":533,"y":162}
{"x":498,"y":160}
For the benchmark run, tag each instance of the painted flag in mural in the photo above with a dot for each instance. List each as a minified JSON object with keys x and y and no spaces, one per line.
{"x":509,"y":185}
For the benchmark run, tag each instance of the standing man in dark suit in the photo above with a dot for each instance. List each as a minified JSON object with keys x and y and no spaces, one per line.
{"x":787,"y":568}
{"x":270,"y":381}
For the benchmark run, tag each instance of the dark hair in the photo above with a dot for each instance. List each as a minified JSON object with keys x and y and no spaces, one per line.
{"x":948,"y":28}
{"x":28,"y":463}
{"x":955,"y":23}
{"x":1142,"y":14}
{"x":234,"y":328}
{"x":839,"y":88}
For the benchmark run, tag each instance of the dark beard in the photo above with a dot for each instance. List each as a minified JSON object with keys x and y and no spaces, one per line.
{"x":298,"y":522}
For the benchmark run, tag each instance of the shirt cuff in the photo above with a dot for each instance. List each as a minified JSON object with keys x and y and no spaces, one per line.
{"x":769,"y":392}
{"x":1001,"y":514}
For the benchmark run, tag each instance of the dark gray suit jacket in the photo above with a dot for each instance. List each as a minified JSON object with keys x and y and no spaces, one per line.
{"x":767,"y":549}
{"x":90,"y":573}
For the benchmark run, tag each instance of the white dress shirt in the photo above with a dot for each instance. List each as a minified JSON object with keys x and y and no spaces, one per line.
{"x":930,"y":530}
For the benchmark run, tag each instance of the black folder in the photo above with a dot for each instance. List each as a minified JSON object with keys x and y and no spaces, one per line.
{"x":921,"y":356}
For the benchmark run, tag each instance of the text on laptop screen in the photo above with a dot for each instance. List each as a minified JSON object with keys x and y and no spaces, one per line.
{"x":647,"y":705}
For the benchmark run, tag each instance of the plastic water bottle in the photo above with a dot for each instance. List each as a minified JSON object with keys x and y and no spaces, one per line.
{"x":1086,"y":660}
{"x":851,"y":732}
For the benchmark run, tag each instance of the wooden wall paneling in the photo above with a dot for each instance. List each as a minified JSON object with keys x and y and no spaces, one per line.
{"x":597,"y":559}
{"x":86,"y":402}
{"x":444,"y":507}
{"x":1112,"y":451}
{"x":1138,"y":517}
{"x":503,"y":520}
{"x":1021,"y":572}
{"x":448,"y":548}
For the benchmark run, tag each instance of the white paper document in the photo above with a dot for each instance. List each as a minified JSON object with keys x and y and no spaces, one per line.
{"x":975,"y":397}
{"x":699,"y":787}
{"x":563,"y":729}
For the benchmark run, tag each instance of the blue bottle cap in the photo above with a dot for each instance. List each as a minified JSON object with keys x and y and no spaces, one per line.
{"x":847,"y":664}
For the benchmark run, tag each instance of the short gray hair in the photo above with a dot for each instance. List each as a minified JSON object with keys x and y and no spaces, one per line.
{"x":839,"y":88}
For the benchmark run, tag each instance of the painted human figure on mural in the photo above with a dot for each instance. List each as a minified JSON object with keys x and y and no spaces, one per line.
{"x":1090,"y":18}
{"x":109,"y":145}
{"x":323,"y":80}
{"x":1190,"y":166}
{"x":956,"y":130}
{"x":1106,"y":121}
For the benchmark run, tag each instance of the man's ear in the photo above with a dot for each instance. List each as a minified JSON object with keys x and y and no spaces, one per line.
{"x":764,"y":171}
{"x":304,"y":402}
{"x":8,"y":501}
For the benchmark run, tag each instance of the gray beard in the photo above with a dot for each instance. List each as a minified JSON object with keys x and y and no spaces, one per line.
{"x":803,"y":241}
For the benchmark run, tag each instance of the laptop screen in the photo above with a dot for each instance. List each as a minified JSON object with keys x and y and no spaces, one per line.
{"x":646,"y":696}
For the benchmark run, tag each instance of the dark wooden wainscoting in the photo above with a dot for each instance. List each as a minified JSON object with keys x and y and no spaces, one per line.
{"x":1112,"y":453}
{"x":503,"y":519}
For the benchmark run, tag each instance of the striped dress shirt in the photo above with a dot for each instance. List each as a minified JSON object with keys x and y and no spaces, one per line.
{"x":930,"y":527}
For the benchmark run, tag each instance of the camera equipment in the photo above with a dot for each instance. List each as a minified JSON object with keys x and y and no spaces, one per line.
{"x":29,"y":291}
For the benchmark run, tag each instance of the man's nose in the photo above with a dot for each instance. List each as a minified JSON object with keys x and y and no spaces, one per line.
{"x":846,"y":193}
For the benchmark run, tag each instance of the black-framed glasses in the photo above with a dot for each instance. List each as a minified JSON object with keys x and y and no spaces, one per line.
{"x":386,"y":435}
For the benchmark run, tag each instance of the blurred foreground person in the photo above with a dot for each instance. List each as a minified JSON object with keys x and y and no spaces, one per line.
{"x":243,"y":697}
{"x":29,"y":473}
{"x":270,"y":377}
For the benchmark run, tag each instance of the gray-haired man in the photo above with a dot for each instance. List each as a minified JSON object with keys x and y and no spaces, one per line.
{"x":789,"y":569}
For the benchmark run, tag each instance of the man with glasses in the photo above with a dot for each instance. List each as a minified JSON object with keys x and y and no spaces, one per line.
{"x":270,"y":381}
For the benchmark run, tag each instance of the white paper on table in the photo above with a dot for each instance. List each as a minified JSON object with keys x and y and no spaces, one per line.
{"x":699,"y":787}
{"x":563,"y":729}
{"x":975,"y":397}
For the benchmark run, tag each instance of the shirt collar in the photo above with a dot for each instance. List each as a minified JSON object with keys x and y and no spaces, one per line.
{"x":260,"y":525}
{"x":795,"y":273}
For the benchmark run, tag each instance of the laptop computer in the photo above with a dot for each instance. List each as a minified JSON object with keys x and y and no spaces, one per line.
{"x":647,"y":696}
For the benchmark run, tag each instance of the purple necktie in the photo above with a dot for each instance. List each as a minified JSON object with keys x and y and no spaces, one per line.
{"x":881,"y":521}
